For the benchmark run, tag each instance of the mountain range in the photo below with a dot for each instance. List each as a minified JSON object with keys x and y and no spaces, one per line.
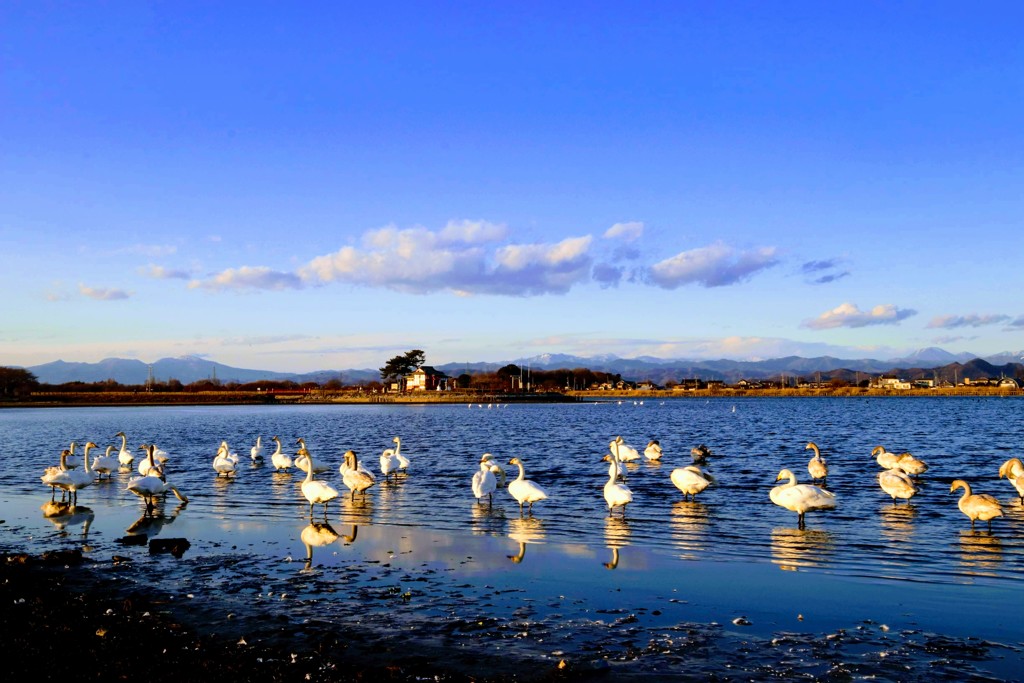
{"x":187,"y":369}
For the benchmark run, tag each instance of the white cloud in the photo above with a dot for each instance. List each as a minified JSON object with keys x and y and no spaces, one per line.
{"x":949,"y":322}
{"x":627,"y":232}
{"x":248,"y":278}
{"x":161,"y":273}
{"x":462,"y":258}
{"x":849,"y":315}
{"x":102,"y":294}
{"x":715,"y":265}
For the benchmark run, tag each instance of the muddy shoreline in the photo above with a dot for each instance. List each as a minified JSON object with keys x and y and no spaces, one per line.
{"x":65,"y":620}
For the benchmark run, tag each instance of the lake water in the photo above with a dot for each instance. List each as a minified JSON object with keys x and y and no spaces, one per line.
{"x":644,"y":593}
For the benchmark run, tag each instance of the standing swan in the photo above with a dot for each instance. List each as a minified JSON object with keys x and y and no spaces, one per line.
{"x":615,"y":494}
{"x":800,"y":498}
{"x":897,"y":484}
{"x":224,"y":462}
{"x":653,"y":450}
{"x":817,"y":466}
{"x":279,"y":460}
{"x":354,"y":476}
{"x":626,"y":452}
{"x":885,"y":459}
{"x":691,"y":480}
{"x":317,"y":491}
{"x":154,"y":484}
{"x":911,"y":465}
{"x":484,"y":481}
{"x":105,"y":464}
{"x":524,"y":490}
{"x":124,"y":456}
{"x":403,"y":462}
{"x":977,"y":505}
{"x":389,"y":463}
{"x":1013,"y":469}
{"x":256,"y":452}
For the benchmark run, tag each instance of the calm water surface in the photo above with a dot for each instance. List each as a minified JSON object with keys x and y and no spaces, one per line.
{"x":867,"y":543}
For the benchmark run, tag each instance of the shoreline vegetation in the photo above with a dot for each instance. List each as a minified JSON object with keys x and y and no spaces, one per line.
{"x":319,"y":396}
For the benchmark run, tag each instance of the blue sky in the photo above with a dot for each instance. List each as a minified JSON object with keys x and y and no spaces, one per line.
{"x":324,"y":186}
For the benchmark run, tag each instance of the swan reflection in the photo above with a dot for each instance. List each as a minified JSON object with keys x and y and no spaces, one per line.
{"x":525,"y":530}
{"x":897,"y":522}
{"x":63,"y":515}
{"x":979,"y":551}
{"x":153,"y":521}
{"x":487,"y":520}
{"x":795,"y":548}
{"x":689,"y":520}
{"x":616,"y":536}
{"x":317,"y":534}
{"x":358,"y":511}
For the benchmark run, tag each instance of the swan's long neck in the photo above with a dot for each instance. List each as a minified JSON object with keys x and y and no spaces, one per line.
{"x":180,"y":496}
{"x":258,"y":441}
{"x":309,"y":472}
{"x":398,"y":445}
{"x":613,"y":471}
{"x":85,"y":459}
{"x":110,"y":449}
{"x":522,"y":472}
{"x":814,"y":447}
{"x":278,"y":451}
{"x":124,"y":442}
{"x":64,"y":460}
{"x":72,"y":447}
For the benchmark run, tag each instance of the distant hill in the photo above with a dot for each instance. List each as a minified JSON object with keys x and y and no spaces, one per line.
{"x":925,"y":363}
{"x":186,"y":370}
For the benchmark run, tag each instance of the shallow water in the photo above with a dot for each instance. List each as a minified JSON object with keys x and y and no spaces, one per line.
{"x":681,"y":571}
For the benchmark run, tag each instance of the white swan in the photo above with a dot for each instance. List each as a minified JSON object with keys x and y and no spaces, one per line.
{"x":626,"y":453}
{"x":897,"y":484}
{"x":354,"y":476}
{"x":403,"y":462}
{"x":800,"y":498}
{"x":155,"y":484}
{"x":388,"y":463}
{"x":817,"y":467}
{"x":316,"y":491}
{"x":149,"y":462}
{"x":73,"y":481}
{"x":691,"y":480}
{"x":484,"y":481}
{"x":524,"y":490}
{"x":73,"y":460}
{"x":303,"y":459}
{"x":279,"y":460}
{"x":653,"y":450}
{"x":1013,"y":469}
{"x":256,"y":452}
{"x":105,"y":464}
{"x":224,"y":462}
{"x":885,"y":458}
{"x":53,"y":476}
{"x":976,"y":505}
{"x":615,"y":494}
{"x":125,"y":456}
{"x":497,"y":469}
{"x":911,"y":465}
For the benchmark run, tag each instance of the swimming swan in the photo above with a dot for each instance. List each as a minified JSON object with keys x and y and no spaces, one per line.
{"x":524,"y":490}
{"x":626,"y":453}
{"x":800,"y":498}
{"x":224,"y":462}
{"x":256,"y":452}
{"x":976,"y":505}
